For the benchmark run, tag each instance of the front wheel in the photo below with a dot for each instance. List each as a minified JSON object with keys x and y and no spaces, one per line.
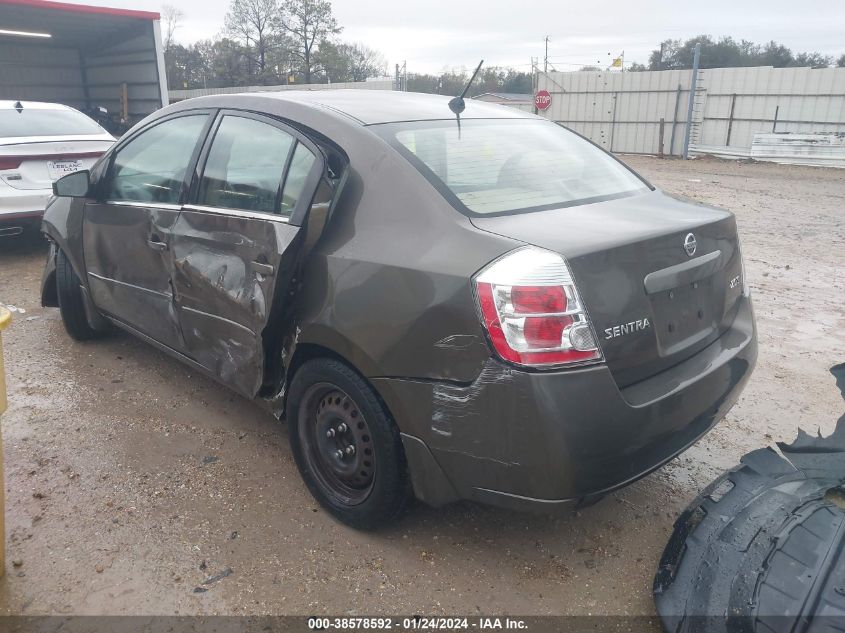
{"x":71,"y":301}
{"x":346,"y":446}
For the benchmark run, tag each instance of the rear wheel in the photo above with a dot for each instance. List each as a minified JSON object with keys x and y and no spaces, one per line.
{"x":346,"y":445}
{"x":71,"y":301}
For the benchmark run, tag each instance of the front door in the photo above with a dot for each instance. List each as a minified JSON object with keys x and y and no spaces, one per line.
{"x":127,"y":230}
{"x":235,"y":246}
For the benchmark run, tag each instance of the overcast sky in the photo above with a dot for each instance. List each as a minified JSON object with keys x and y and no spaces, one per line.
{"x":436,"y":34}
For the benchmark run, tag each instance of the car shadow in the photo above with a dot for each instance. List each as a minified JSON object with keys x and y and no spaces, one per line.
{"x":633,"y":505}
{"x":29,"y":242}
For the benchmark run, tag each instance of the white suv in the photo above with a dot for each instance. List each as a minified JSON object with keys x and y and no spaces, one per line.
{"x":39,"y":143}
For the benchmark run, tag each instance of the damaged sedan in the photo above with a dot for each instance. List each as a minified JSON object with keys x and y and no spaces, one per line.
{"x":483,"y":306}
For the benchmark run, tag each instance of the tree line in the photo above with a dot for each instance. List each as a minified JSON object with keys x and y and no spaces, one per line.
{"x":272,"y":42}
{"x":726,"y":52}
{"x":268,"y":42}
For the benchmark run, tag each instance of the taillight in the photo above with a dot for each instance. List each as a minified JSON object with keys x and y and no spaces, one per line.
{"x":532,"y":312}
{"x":10,"y":162}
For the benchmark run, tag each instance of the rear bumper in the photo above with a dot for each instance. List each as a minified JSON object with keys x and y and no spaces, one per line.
{"x":21,"y":204}
{"x":545,"y":440}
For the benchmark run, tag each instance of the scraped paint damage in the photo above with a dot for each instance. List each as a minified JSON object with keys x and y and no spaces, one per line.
{"x":456,"y":416}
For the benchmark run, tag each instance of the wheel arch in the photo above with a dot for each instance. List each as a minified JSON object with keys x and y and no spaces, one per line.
{"x":309,"y":350}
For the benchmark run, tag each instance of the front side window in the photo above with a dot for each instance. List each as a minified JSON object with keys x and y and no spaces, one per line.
{"x":504,"y":165}
{"x":152,"y":166}
{"x":246,"y":166}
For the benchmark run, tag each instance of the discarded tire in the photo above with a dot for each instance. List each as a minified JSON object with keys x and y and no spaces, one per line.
{"x":763,"y":547}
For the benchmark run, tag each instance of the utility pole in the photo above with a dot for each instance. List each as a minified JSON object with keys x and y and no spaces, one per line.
{"x":400,"y":80}
{"x":546,"y":57}
{"x":693,"y":81}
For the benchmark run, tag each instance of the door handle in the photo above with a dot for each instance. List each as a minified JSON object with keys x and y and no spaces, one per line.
{"x":263,"y":269}
{"x":157,"y":245}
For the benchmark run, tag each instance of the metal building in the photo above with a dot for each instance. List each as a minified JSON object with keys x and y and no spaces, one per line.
{"x":82,"y":56}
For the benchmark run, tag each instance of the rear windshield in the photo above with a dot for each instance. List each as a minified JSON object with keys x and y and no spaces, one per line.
{"x":498,"y":166}
{"x":40,"y":122}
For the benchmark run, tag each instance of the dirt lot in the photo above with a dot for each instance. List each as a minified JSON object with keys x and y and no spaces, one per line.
{"x":130,"y":479}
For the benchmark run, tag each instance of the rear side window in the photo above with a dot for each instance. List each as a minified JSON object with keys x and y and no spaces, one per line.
{"x":152,"y":166}
{"x":300,"y":166}
{"x":504,"y":165}
{"x":245,"y":165}
{"x":46,"y":122}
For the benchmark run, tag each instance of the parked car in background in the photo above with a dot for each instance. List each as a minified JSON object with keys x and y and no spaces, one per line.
{"x":487,"y":308}
{"x":39,"y":143}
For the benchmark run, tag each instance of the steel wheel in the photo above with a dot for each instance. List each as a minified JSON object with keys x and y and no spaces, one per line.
{"x":337,"y":444}
{"x":346,"y":446}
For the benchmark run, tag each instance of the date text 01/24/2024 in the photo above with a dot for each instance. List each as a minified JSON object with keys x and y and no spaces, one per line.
{"x":415,"y":623}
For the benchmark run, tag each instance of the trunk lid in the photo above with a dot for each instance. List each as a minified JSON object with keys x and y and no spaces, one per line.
{"x":651,"y":303}
{"x":35,"y":165}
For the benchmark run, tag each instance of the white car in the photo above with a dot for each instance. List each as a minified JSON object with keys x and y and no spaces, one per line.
{"x":40,"y":143}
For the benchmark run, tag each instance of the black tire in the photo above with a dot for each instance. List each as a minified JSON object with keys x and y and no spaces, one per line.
{"x":71,"y":301}
{"x":368,"y":488}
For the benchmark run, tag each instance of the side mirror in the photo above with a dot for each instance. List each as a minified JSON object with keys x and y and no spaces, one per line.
{"x":75,"y":185}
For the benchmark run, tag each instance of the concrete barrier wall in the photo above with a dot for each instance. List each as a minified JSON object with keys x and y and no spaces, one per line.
{"x":180,"y":95}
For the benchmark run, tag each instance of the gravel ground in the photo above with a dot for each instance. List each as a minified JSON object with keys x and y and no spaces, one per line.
{"x":132,"y":482}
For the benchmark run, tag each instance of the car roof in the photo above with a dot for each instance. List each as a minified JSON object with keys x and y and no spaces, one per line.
{"x":371,"y":107}
{"x":8,"y":104}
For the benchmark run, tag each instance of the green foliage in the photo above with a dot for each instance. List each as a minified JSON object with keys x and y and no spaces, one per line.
{"x":254,"y":24}
{"x":488,"y":80}
{"x":348,"y":62}
{"x":728,"y":53}
{"x":268,"y":42}
{"x":307,"y":22}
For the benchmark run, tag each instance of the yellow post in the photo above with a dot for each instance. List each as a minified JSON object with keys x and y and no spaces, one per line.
{"x":5,"y":319}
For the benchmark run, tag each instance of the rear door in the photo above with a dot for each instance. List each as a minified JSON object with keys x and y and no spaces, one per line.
{"x":127,"y":229}
{"x":236,"y":245}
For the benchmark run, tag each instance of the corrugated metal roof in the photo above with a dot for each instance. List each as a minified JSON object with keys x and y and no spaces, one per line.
{"x":72,"y":25}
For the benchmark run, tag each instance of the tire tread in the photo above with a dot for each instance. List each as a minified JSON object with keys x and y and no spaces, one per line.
{"x":71,"y":301}
{"x":392,"y":492}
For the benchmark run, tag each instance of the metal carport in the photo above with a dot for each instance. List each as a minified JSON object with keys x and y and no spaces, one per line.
{"x":83,"y":56}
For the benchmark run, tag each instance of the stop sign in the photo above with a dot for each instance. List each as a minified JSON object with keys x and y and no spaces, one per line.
{"x":542,"y":99}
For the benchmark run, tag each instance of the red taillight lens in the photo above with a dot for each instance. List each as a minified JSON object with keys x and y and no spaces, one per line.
{"x":532,"y":312}
{"x":545,"y":332}
{"x":10,"y":162}
{"x":538,"y":299}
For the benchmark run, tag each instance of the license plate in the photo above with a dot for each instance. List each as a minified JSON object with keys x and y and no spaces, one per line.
{"x":59,"y":168}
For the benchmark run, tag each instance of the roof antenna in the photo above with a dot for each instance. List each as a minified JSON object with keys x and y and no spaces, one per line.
{"x":18,"y":106}
{"x":457,"y":104}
